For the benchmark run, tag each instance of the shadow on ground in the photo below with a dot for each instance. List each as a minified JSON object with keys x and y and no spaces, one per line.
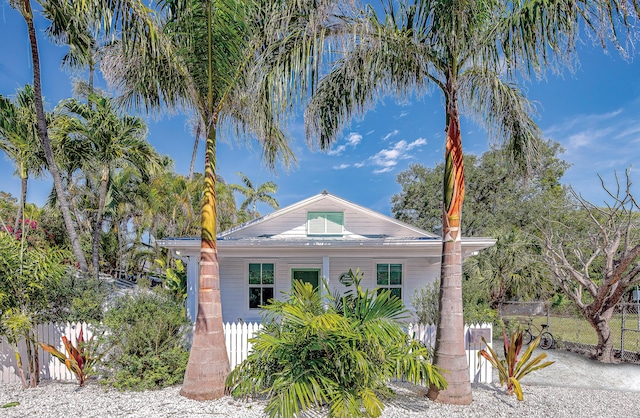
{"x":575,"y":370}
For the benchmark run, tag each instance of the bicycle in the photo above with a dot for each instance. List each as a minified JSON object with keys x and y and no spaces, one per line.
{"x":546,"y":338}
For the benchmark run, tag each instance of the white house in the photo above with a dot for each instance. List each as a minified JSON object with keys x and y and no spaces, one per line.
{"x":321,"y":237}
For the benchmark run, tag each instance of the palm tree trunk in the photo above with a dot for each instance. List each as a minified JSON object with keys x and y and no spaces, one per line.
{"x":97,"y":230}
{"x":450,"y":352}
{"x":27,"y":13}
{"x":194,"y":153}
{"x":23,"y":199}
{"x":208,"y":365}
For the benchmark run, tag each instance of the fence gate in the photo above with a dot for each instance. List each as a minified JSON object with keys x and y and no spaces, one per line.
{"x":630,"y":332}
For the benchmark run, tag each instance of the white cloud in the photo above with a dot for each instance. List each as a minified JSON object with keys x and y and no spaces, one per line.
{"x":388,"y":158}
{"x":401,"y":115}
{"x":341,"y":166}
{"x":354,"y":139}
{"x":417,"y":143}
{"x":390,"y":134}
{"x":338,"y":150}
{"x":596,"y":144}
{"x":358,"y":165}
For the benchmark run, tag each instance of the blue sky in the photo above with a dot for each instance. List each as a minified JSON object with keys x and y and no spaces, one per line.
{"x":594,"y":113}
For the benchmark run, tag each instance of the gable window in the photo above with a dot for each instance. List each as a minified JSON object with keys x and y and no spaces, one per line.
{"x":389,"y":277}
{"x":261,"y":284}
{"x":325,"y":223}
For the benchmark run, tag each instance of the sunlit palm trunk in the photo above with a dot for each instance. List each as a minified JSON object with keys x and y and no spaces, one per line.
{"x":23,"y":199}
{"x":449,"y":350}
{"x":44,"y":138}
{"x":208,"y":365}
{"x":97,"y":229}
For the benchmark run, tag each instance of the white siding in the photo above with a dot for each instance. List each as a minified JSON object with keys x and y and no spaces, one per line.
{"x":417,"y":272}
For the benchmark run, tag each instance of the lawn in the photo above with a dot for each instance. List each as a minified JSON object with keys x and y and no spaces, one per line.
{"x":578,"y":330}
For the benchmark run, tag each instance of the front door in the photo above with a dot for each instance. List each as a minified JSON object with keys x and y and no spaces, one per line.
{"x":307,"y":276}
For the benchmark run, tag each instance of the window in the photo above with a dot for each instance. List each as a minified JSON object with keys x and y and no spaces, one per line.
{"x":389,"y":276}
{"x":261,"y":284}
{"x":325,"y":223}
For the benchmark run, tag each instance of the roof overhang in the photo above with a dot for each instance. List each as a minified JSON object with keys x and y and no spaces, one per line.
{"x":384,"y":247}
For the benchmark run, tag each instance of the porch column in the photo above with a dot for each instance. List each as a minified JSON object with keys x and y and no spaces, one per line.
{"x":192,"y":263}
{"x":325,"y":269}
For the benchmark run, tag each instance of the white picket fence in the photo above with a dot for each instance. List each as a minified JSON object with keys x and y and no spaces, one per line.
{"x":237,"y":337}
{"x":50,"y":367}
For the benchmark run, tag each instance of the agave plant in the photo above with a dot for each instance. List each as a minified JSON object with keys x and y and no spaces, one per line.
{"x":313,"y":354}
{"x":512,"y":369}
{"x":79,"y":360}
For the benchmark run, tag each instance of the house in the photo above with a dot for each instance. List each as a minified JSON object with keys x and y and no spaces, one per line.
{"x":321,"y":237}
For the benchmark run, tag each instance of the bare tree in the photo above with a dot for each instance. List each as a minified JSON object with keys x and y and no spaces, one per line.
{"x":593,"y":256}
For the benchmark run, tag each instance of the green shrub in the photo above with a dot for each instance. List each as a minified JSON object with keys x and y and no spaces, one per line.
{"x":340,"y":355}
{"x":425,"y":302}
{"x":146,"y":333}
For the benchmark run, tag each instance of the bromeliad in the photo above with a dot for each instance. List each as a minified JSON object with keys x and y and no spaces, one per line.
{"x":512,"y":369}
{"x":80,"y":359}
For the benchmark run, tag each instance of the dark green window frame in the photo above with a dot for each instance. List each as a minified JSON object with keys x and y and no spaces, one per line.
{"x":261,"y":284}
{"x":389,"y":277}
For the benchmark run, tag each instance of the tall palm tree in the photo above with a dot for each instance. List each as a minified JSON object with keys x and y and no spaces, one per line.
{"x":471,"y":51}
{"x":214,"y":57}
{"x":19,"y":140}
{"x":113,"y":141}
{"x":252,"y":195}
{"x":24,"y":7}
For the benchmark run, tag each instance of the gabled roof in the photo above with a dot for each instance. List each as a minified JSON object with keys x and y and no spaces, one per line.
{"x":371,"y":224}
{"x":366,"y":232}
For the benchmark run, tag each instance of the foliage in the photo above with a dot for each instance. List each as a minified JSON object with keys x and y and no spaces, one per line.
{"x":512,"y":269}
{"x":175,"y":278}
{"x":146,"y":331}
{"x":79,"y":360}
{"x":79,"y":298}
{"x":425,"y":302}
{"x":512,"y":369}
{"x":254,"y":195}
{"x":497,"y":204}
{"x":494,"y":198}
{"x":26,"y":297}
{"x":340,"y":355}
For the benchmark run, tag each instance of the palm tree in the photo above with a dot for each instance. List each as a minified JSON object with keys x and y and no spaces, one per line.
{"x":214,"y":57}
{"x":470,"y":51}
{"x":113,"y":142}
{"x":252,"y":195}
{"x":24,"y":7}
{"x":19,"y":140}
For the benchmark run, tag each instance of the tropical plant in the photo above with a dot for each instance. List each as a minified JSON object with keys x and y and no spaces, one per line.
{"x":112,"y":141}
{"x":174,"y":278}
{"x":340,"y":355}
{"x":512,"y":369}
{"x":472,"y":52}
{"x":253,"y":195}
{"x":25,"y":9}
{"x":79,"y":359}
{"x":146,"y":333}
{"x":19,"y":140}
{"x":511,"y":269}
{"x":28,"y":275}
